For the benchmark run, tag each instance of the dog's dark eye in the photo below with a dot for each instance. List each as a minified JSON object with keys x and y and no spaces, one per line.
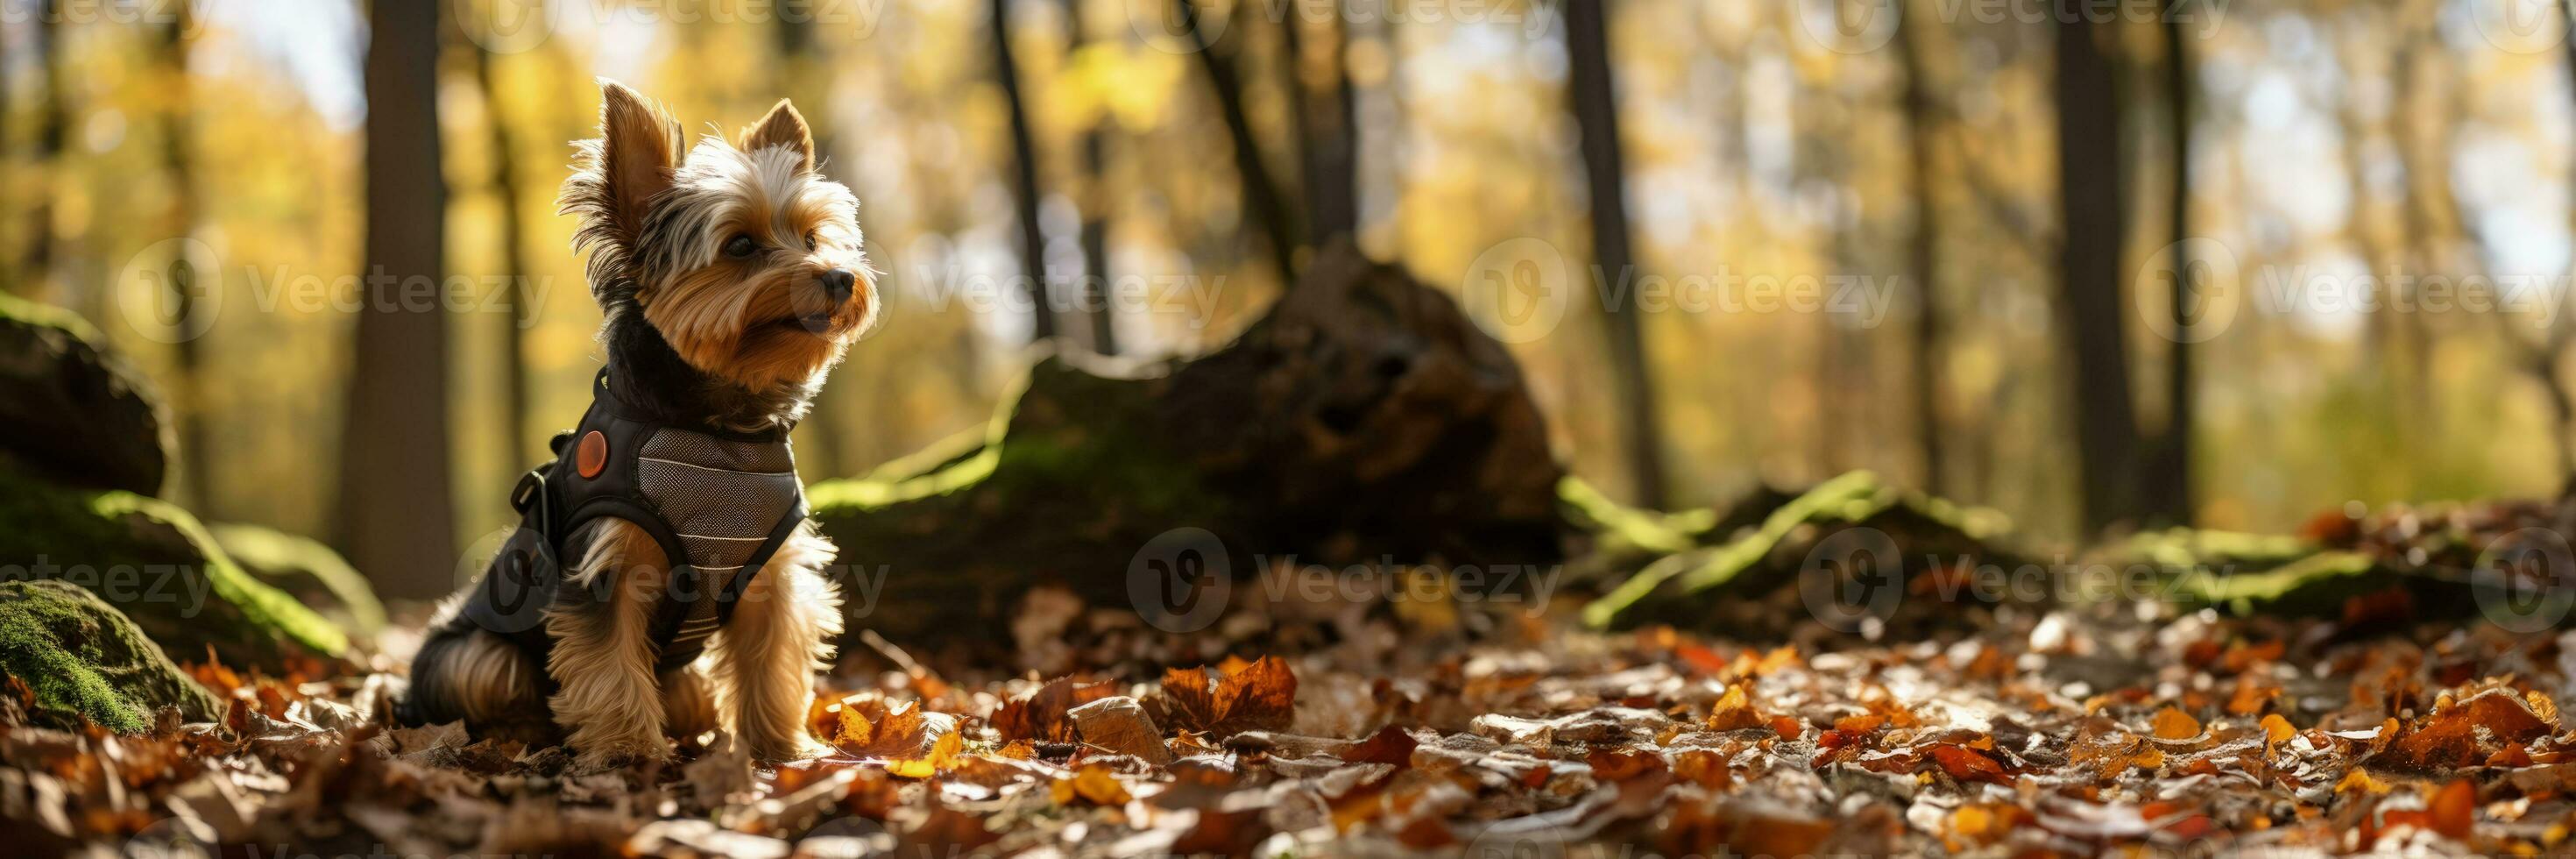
{"x":740,"y":246}
{"x":813,"y":241}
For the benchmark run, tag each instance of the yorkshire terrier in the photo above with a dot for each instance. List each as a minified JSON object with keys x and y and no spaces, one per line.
{"x":665,"y":580}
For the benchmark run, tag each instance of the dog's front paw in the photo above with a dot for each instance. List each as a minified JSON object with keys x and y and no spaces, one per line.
{"x":789,"y":749}
{"x":602,"y":753}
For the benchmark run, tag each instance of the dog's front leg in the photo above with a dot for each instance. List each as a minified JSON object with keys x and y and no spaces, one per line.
{"x":782,"y":632}
{"x":603,"y":651}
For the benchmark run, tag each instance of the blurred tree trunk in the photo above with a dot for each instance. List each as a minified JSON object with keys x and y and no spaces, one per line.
{"x":1327,"y":130}
{"x":398,"y":520}
{"x":194,"y":456}
{"x":1261,"y":196}
{"x":52,"y":124}
{"x":507,"y":185}
{"x":1596,"y":115}
{"x":2166,"y":482}
{"x":1923,"y":251}
{"x":1095,"y":200}
{"x":1024,"y":178}
{"x":9,"y":281}
{"x":2094,"y":209}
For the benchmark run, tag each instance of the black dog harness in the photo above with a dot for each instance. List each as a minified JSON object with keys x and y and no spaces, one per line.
{"x":720,"y":504}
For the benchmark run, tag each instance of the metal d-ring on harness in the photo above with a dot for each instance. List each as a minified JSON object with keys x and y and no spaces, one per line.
{"x":719,"y":505}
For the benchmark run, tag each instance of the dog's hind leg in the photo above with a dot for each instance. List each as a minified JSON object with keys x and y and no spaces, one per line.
{"x":782,"y":631}
{"x":463,"y":672}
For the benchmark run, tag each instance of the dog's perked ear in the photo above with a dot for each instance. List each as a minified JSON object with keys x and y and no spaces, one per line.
{"x":616,"y":179}
{"x":783,"y":127}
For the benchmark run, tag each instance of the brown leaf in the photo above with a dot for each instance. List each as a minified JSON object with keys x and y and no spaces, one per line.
{"x":1040,"y":716}
{"x":1390,"y":745}
{"x":1242,"y":696}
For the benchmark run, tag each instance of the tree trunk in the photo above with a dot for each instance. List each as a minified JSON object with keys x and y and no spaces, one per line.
{"x":506,"y":184}
{"x":2094,"y":210}
{"x":2166,"y":488}
{"x":1095,"y":201}
{"x":1596,"y":114}
{"x":1024,"y":179}
{"x":194,"y":455}
{"x":398,"y":523}
{"x":1261,"y":198}
{"x":1923,"y":251}
{"x":52,"y":126}
{"x":1327,"y":134}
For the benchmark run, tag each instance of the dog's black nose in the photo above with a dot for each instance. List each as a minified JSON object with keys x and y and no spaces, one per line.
{"x":837,"y":284}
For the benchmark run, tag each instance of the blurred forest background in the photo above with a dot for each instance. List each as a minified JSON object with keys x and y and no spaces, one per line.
{"x":2008,"y":181}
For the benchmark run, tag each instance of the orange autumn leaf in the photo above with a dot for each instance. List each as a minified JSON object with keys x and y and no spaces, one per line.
{"x":2454,"y":809}
{"x":2174,"y":724}
{"x":2276,"y":730}
{"x":1734,"y":711}
{"x":1967,"y":765}
{"x":1704,"y":768}
{"x":1242,"y":696}
{"x":1093,"y":784}
{"x":2465,"y":734}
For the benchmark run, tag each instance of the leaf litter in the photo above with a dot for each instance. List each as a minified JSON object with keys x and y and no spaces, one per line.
{"x":2037,"y":733}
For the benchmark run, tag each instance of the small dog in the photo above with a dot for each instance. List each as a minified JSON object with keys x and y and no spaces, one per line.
{"x":732,"y":279}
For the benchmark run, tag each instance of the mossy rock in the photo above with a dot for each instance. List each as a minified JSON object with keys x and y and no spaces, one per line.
{"x":72,"y":411}
{"x":1734,"y":584}
{"x":81,"y":659}
{"x":306,"y":570}
{"x":2284,"y":576}
{"x":157,"y":564}
{"x":1363,"y":418}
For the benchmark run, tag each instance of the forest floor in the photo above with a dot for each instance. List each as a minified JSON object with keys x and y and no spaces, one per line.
{"x":1380,"y":730}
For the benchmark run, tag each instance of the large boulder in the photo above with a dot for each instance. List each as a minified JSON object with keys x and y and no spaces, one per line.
{"x":80,"y":659}
{"x":73,"y":412}
{"x":154,"y":562}
{"x":1364,"y":419}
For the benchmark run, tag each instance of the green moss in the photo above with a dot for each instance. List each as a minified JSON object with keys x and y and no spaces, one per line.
{"x":82,"y":659}
{"x":157,"y":564}
{"x":1619,"y":527}
{"x":306,"y":569}
{"x":1673,"y":583}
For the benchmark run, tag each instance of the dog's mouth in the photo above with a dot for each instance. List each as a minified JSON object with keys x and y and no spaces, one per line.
{"x":818,"y":323}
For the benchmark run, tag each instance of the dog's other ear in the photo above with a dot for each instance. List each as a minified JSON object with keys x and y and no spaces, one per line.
{"x":782,"y":127}
{"x":639,"y":148}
